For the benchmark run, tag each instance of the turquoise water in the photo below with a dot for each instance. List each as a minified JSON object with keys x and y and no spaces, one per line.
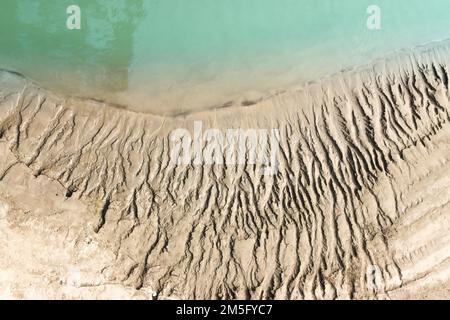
{"x":172,"y":55}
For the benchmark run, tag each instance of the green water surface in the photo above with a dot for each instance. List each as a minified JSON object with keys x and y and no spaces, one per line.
{"x":171,"y":42}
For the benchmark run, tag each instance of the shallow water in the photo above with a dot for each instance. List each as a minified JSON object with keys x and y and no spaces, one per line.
{"x":171,"y":56}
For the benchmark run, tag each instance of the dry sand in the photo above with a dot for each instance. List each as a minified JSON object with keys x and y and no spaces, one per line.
{"x":92,"y":207}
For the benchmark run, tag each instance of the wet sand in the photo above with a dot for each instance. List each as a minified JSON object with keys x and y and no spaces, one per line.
{"x":91,"y":205}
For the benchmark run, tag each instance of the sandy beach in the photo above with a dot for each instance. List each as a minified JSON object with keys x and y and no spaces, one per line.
{"x":92,"y":205}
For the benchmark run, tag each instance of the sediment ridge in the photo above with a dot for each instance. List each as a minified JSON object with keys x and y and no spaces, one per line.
{"x":357,"y":207}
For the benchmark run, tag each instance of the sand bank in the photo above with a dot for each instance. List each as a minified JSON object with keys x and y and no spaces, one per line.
{"x":357,"y":209}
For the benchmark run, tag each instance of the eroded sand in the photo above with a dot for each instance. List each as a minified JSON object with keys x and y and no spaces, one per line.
{"x":92,"y":207}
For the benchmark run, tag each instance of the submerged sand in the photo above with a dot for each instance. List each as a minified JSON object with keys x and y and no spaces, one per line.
{"x":92,"y":207}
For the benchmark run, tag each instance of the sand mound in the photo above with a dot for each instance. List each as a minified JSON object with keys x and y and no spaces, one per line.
{"x":91,"y":204}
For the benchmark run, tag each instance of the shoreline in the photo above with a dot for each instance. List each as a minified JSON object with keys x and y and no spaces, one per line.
{"x":390,"y":62}
{"x":361,"y":188}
